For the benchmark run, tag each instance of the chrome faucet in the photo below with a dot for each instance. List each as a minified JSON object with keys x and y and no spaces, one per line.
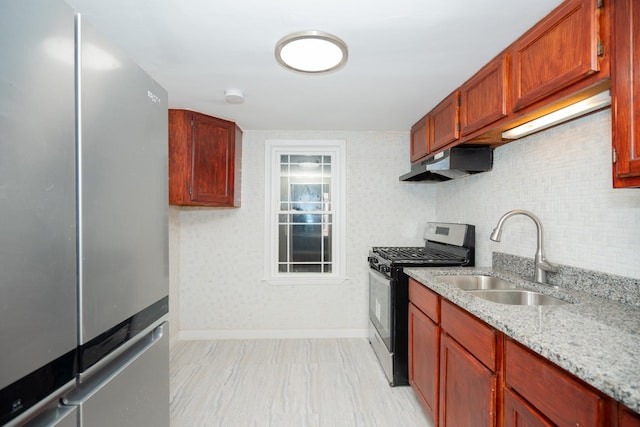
{"x":541,"y":263}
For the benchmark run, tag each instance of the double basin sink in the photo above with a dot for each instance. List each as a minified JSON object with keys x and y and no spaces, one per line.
{"x":499,"y":291}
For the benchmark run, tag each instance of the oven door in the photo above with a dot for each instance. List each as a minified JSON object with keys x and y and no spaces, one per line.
{"x":380,"y":321}
{"x":380,"y":306}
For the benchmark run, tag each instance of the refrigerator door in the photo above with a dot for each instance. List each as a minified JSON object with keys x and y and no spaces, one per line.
{"x":37,"y":203}
{"x":132,"y":390}
{"x":123,"y":193}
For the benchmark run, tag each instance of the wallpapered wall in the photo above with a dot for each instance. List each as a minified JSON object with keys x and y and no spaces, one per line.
{"x":562,"y":175}
{"x":220,"y":251}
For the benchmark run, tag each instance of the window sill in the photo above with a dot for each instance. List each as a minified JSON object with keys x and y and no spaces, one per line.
{"x":305,"y":281}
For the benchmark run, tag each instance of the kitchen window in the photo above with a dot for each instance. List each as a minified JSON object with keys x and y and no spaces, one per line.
{"x":305,"y":200}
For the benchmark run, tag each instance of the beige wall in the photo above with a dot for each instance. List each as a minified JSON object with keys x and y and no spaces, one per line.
{"x":562,"y":175}
{"x":221,"y":250}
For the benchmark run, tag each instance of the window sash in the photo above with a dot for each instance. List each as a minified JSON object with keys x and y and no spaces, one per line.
{"x":306,"y":209}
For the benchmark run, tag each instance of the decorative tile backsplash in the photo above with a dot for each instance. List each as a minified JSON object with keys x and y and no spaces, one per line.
{"x":563,"y":175}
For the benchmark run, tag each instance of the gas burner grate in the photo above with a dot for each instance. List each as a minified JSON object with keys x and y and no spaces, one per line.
{"x":413,"y":254}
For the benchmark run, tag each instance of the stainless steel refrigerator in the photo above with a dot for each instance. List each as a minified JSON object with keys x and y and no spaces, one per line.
{"x":83,"y":226}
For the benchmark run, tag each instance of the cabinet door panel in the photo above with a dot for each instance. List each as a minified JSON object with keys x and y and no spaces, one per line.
{"x":420,"y":139}
{"x":467,"y":388}
{"x":518,"y":413}
{"x":205,"y":156}
{"x":212,"y":158}
{"x":424,"y":342}
{"x":561,"y":50}
{"x":483,"y":98}
{"x":444,"y":126}
{"x":625,"y":92}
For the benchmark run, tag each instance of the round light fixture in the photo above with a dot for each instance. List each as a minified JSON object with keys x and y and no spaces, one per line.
{"x":311,"y":52}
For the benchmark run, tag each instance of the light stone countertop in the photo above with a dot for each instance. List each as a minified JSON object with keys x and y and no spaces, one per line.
{"x":596,"y":339}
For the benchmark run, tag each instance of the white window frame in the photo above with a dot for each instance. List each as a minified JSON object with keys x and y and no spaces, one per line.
{"x":274,"y":148}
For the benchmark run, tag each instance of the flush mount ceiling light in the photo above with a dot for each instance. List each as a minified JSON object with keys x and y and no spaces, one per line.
{"x":311,"y":52}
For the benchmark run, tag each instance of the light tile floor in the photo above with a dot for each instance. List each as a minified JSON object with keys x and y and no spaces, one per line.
{"x":286,"y":383}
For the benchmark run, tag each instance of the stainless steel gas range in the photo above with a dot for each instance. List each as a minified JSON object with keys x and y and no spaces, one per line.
{"x":445,"y":245}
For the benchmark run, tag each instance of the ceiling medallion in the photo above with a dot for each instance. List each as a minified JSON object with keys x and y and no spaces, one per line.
{"x":312,"y":52}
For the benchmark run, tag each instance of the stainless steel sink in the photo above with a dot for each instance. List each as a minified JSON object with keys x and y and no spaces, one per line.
{"x":477,"y":282}
{"x":517,"y":297}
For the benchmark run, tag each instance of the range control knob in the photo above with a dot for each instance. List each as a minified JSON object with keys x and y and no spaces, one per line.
{"x":385,"y":269}
{"x":372,"y":260}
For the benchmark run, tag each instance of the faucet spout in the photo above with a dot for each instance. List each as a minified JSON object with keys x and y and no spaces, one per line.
{"x":541,"y":263}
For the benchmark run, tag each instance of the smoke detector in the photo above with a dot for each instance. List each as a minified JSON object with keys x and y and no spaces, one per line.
{"x":234,"y":96}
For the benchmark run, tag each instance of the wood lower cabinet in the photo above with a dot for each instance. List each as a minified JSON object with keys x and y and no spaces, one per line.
{"x":518,"y":413}
{"x":420,"y":140}
{"x":555,"y":394}
{"x":467,"y":388}
{"x":628,"y":418}
{"x":466,"y":373}
{"x":424,"y":346}
{"x":424,"y":351}
{"x":559,"y":51}
{"x":468,"y":369}
{"x":483,"y":98}
{"x":625,"y":93}
{"x":204,"y":160}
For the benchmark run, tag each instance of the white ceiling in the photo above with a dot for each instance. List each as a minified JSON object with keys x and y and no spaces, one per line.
{"x":404,"y":55}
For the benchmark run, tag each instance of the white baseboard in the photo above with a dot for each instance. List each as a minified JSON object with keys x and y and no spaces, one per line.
{"x":242,"y":334}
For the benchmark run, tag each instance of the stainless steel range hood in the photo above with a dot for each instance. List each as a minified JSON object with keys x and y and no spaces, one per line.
{"x":454,"y":163}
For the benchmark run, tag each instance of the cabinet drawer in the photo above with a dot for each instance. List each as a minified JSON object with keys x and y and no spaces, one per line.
{"x":553,"y":391}
{"x":476,"y":336}
{"x":425,"y":299}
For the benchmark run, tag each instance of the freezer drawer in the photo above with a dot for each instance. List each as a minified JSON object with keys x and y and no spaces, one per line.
{"x":57,"y":416}
{"x":130,"y":391}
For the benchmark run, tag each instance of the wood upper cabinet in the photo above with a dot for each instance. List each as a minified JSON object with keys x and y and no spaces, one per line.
{"x":555,"y":394}
{"x":559,"y":51}
{"x":420,"y":139}
{"x":468,"y":369}
{"x":204,"y":160}
{"x":483,"y":98}
{"x":439,"y":128}
{"x":625,"y":93}
{"x":444,"y":123}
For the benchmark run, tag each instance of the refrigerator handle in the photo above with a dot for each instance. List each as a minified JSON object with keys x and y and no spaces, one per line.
{"x":85,"y":390}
